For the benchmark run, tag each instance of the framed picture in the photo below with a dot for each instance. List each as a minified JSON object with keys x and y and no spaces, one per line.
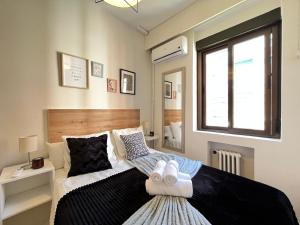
{"x":111,"y":85}
{"x":74,"y":71}
{"x":127,"y":82}
{"x":168,"y":89}
{"x":97,"y":69}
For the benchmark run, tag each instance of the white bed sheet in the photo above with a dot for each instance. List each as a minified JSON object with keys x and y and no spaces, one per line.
{"x":63,"y":185}
{"x":58,"y":191}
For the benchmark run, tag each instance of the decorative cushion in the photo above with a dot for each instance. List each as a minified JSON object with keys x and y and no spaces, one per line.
{"x":110,"y":147}
{"x":119,"y":143}
{"x":135,"y":145}
{"x":88,"y":155}
{"x":56,"y":154}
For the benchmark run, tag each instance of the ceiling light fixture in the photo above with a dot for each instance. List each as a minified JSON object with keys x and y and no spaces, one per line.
{"x":134,"y":4}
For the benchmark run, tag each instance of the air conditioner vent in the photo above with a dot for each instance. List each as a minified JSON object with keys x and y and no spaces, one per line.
{"x":174,"y":48}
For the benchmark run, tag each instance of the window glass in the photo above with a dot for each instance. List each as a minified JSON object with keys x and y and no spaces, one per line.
{"x":249,"y":84}
{"x":217,"y":88}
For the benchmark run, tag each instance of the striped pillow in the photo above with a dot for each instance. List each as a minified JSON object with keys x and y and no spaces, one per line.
{"x":135,"y":145}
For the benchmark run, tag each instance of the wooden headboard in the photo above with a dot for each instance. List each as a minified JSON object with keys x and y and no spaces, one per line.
{"x":172,"y":115}
{"x":86,"y":121}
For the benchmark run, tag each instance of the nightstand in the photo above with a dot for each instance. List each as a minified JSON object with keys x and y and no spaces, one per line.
{"x":151,"y":140}
{"x":32,"y":188}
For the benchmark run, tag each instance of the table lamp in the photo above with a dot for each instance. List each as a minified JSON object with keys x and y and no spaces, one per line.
{"x":26,"y":145}
{"x":146,"y":126}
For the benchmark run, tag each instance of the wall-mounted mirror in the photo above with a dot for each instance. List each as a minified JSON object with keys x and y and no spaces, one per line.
{"x":173,"y":83}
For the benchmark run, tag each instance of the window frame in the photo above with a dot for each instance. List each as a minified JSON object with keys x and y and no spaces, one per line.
{"x":272,"y":83}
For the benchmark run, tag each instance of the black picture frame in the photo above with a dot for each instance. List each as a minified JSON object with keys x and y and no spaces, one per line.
{"x":127,"y":82}
{"x":168,"y":89}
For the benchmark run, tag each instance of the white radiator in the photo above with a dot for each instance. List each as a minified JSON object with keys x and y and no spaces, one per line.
{"x":229,"y":161}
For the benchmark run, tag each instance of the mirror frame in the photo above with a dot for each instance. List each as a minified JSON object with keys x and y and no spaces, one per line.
{"x":183,"y":71}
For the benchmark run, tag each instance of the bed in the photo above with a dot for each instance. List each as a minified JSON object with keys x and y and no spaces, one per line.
{"x":171,"y":140}
{"x":111,"y":196}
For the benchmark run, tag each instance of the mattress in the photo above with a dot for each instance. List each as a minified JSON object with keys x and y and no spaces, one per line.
{"x":58,"y":191}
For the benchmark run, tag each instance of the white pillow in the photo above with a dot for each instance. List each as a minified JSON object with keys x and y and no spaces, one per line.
{"x":110,"y":147}
{"x":56,"y":154}
{"x":119,"y":143}
{"x":176,"y":130}
{"x":168,"y":132}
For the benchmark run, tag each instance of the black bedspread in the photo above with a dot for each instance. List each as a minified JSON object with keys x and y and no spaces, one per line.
{"x":227,"y":199}
{"x":223,"y":198}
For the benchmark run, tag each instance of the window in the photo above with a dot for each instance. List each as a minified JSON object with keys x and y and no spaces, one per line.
{"x":239,"y":84}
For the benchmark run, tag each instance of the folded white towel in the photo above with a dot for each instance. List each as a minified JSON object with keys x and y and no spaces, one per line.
{"x":183,"y":176}
{"x":182,"y":188}
{"x":171,"y":172}
{"x":158,"y":172}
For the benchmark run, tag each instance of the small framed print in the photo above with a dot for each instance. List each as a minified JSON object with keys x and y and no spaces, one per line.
{"x":168,"y":89}
{"x":127,"y":82}
{"x":97,"y":69}
{"x":111,"y":85}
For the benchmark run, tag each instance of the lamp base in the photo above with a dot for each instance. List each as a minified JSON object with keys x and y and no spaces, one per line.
{"x":26,"y":167}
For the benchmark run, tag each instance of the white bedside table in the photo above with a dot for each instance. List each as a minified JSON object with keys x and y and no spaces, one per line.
{"x":32,"y":188}
{"x":151,"y":140}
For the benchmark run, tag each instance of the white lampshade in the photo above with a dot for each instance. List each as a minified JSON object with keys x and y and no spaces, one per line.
{"x":146,"y":125}
{"x":122,"y":3}
{"x":28,"y":144}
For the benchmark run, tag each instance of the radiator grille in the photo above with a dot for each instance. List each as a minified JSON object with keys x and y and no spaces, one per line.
{"x":229,"y":161}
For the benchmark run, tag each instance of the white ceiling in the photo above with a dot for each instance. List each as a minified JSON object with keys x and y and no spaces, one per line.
{"x":151,"y":12}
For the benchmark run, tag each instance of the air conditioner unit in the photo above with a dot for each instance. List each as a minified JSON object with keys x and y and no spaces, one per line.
{"x":172,"y":49}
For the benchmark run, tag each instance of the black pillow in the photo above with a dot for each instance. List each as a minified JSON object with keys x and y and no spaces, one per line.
{"x":88,"y":155}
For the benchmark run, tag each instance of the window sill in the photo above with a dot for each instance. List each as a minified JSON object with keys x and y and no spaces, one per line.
{"x":275,"y":140}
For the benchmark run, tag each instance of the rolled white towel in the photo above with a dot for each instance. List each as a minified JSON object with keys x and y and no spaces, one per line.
{"x":174,"y":163}
{"x":182,"y":188}
{"x":171,"y":173}
{"x":184,"y":176}
{"x":157,"y":174}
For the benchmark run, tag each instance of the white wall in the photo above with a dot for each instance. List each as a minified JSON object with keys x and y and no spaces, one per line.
{"x":276,"y":161}
{"x":31,"y":32}
{"x":187,"y":19}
